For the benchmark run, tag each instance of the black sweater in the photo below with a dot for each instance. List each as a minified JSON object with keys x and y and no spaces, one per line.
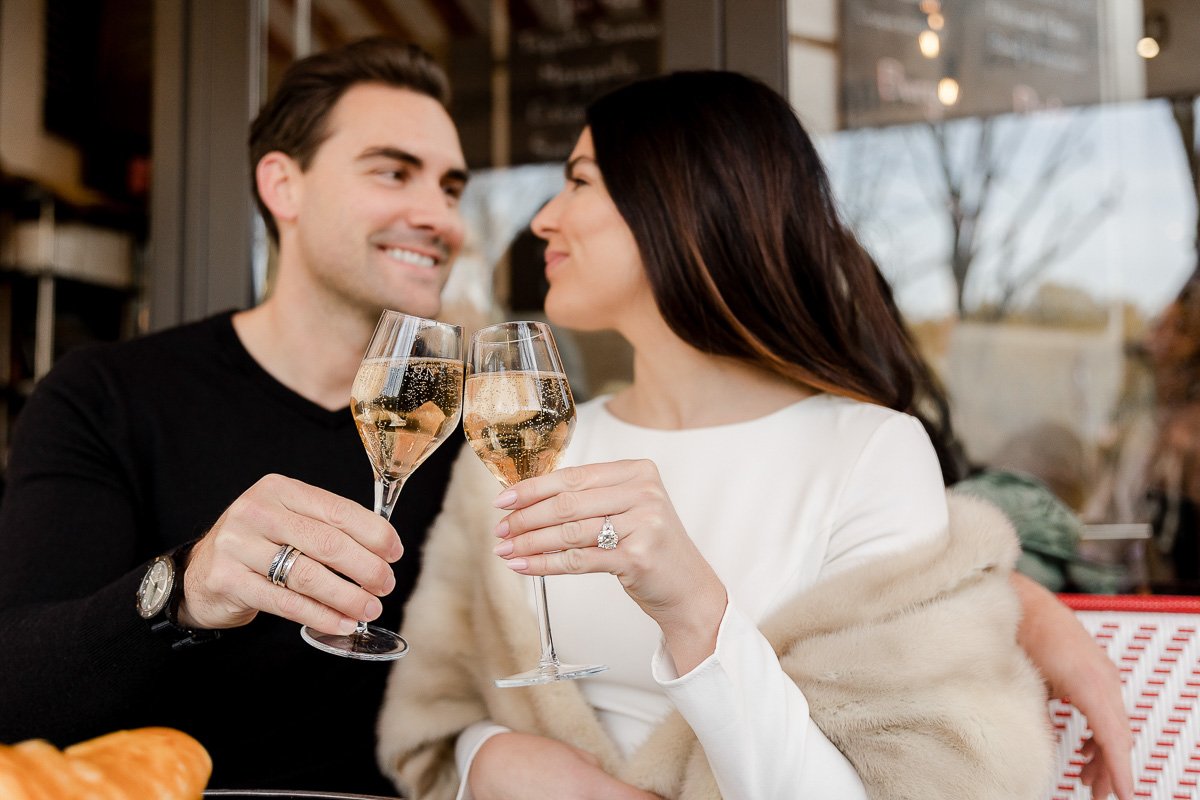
{"x":126,"y":451}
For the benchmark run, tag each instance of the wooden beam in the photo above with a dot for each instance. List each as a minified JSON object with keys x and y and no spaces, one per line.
{"x":330,"y":33}
{"x":278,"y":49}
{"x":387,"y":22}
{"x":454,"y":18}
{"x":521,"y":15}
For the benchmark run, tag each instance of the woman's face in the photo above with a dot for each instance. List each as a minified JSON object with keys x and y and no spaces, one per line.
{"x":592,"y":262}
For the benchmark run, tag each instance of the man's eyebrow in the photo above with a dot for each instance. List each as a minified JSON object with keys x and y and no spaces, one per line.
{"x":394,"y":153}
{"x":405,"y":157}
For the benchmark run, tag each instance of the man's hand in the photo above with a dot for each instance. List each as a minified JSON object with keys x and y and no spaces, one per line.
{"x":225,"y":580}
{"x":520,"y":766}
{"x":1077,"y":669}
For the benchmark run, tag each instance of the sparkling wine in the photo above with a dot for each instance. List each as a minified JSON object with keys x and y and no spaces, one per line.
{"x":405,"y":409}
{"x":518,"y":422}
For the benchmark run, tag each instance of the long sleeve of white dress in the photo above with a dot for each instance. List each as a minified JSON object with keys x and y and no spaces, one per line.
{"x":753,"y":721}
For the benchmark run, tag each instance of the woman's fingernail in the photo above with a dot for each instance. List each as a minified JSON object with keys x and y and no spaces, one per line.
{"x":347,"y":627}
{"x":503,"y":549}
{"x":501,"y":530}
{"x":517,"y":564}
{"x":505,"y":499}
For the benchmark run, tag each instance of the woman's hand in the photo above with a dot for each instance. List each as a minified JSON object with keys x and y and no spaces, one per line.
{"x":520,"y":766}
{"x":553,"y":530}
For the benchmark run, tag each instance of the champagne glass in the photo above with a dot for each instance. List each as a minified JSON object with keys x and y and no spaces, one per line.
{"x":406,"y":400}
{"x":518,"y":415}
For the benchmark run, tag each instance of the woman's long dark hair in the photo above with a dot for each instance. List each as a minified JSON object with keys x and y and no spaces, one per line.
{"x":744,"y":248}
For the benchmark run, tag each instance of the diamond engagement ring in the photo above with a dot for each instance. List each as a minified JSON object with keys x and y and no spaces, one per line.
{"x":607,"y":538}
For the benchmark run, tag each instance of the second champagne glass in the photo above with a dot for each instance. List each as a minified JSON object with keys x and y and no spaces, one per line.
{"x":518,"y":415}
{"x":406,"y":400}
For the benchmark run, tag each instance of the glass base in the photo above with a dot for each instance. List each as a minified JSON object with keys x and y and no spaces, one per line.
{"x":373,"y":644}
{"x":549,"y":673}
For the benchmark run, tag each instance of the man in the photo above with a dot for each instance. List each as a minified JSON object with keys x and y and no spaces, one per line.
{"x":176,"y":446}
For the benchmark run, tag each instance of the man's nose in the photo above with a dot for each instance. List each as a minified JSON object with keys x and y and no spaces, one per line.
{"x":431,"y":208}
{"x":436,"y":214}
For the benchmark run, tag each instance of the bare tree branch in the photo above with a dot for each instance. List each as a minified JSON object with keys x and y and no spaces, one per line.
{"x":1067,"y":148}
{"x":937,"y":194}
{"x":972,"y":179}
{"x":985,"y":167}
{"x":1061,"y":242}
{"x":960,"y":263}
{"x":870,"y":178}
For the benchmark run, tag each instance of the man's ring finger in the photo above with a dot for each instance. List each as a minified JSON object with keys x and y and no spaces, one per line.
{"x":607,"y":538}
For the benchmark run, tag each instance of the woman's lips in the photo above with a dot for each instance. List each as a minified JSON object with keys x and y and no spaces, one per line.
{"x":553,"y":259}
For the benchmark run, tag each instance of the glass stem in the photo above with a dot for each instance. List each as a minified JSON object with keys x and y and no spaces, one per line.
{"x":387,"y":491}
{"x":549,"y":657}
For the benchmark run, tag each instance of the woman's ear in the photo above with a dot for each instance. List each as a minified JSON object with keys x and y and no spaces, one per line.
{"x":279,"y":181}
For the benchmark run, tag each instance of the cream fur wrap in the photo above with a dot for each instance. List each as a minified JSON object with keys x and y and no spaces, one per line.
{"x":909,"y":664}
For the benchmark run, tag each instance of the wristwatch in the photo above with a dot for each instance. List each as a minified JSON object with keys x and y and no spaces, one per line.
{"x":159,"y":596}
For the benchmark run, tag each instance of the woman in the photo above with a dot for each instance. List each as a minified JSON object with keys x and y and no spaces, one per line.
{"x":795,"y":612}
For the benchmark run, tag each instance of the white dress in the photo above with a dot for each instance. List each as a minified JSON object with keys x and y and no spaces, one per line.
{"x":774,"y":504}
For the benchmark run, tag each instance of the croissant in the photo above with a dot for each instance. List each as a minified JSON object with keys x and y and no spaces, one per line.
{"x":158,"y":763}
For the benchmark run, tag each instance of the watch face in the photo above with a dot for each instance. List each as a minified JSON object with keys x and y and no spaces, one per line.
{"x":156,"y":587}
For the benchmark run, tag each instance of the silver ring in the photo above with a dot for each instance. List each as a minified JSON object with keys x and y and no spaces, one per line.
{"x":285,"y":568}
{"x":607,"y":538}
{"x":281,"y":565}
{"x":277,"y":561}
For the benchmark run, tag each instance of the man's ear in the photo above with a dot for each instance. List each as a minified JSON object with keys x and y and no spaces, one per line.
{"x":279,"y":180}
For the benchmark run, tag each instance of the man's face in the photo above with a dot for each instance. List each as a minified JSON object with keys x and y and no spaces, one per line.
{"x":377,"y":220}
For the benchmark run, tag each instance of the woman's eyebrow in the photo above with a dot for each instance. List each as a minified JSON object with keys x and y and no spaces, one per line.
{"x":569,"y":168}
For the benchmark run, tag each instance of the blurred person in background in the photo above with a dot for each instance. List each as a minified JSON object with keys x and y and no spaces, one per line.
{"x":1173,"y":472}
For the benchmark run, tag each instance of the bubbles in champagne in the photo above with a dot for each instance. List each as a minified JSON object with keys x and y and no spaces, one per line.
{"x":518,"y":422}
{"x":405,"y":409}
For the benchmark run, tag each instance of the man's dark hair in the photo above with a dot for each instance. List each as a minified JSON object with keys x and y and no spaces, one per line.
{"x":293,"y":121}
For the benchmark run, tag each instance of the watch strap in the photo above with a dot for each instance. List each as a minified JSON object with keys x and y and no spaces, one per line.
{"x":167,"y":622}
{"x":180,"y":636}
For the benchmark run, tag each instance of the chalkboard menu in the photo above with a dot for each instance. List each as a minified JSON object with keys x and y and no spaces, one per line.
{"x":909,"y":60}
{"x":557,"y":66}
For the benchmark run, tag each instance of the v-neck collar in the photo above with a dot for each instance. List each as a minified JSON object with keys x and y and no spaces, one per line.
{"x":239,"y":357}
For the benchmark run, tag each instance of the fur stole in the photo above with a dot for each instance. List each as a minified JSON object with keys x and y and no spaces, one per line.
{"x":909,"y":665}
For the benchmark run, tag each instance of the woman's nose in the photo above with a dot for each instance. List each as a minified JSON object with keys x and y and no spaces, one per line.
{"x":545,"y":221}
